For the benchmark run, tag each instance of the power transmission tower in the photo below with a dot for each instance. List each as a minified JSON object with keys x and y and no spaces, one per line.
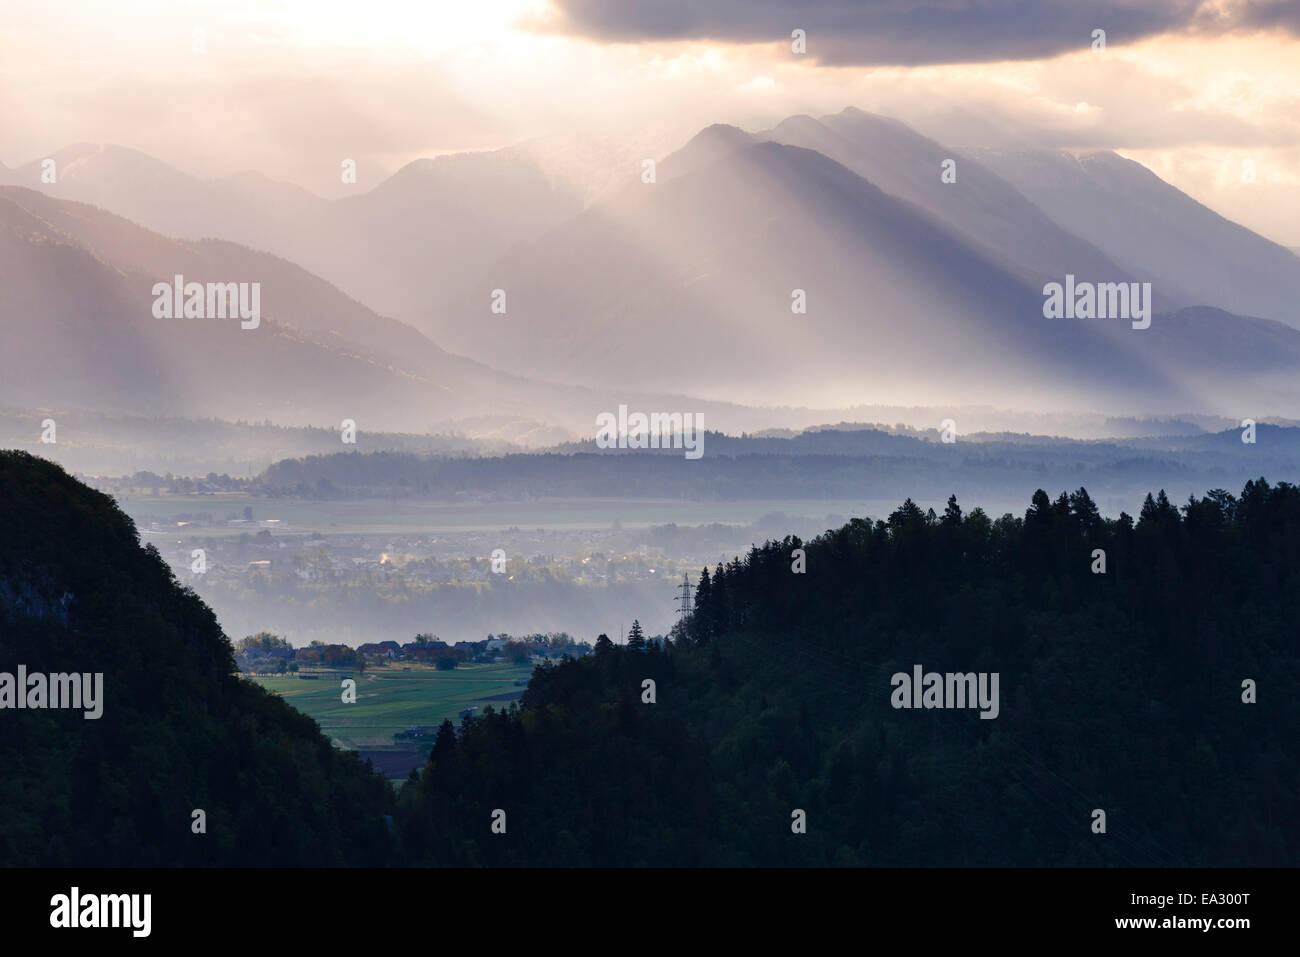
{"x":685,"y":597}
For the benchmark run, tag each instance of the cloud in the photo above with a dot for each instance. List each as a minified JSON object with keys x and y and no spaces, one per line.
{"x":915,"y":32}
{"x":1268,"y":15}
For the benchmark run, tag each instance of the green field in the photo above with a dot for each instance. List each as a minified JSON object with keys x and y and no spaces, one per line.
{"x":393,"y":699}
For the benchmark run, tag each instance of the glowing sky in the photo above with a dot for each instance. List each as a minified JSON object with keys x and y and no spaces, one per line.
{"x":1191,"y":89}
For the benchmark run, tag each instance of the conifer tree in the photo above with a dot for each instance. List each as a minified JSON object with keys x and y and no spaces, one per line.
{"x":636,"y":638}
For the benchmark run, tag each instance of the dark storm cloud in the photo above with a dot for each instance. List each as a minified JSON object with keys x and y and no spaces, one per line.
{"x":1268,"y":15}
{"x":913,"y":32}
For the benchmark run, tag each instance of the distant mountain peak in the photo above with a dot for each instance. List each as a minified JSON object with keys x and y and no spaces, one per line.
{"x":706,"y":147}
{"x":720,"y":135}
{"x":798,"y":121}
{"x":856,"y":115}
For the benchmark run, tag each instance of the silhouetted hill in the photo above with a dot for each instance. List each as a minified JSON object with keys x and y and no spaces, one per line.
{"x":1122,"y":692}
{"x":178,"y":731}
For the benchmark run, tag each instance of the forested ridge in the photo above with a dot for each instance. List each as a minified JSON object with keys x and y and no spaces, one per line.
{"x":816,"y":464}
{"x":1120,"y":691}
{"x":180,"y":731}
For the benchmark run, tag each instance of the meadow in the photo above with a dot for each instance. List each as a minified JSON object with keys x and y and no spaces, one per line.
{"x":401,"y":697}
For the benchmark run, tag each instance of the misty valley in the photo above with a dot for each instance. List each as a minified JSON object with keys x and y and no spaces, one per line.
{"x":591,"y":435}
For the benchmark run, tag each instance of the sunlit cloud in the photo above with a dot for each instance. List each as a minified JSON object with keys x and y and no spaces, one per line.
{"x":290,"y":87}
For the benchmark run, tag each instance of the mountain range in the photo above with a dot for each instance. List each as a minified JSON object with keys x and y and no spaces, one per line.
{"x":916,"y":286}
{"x":79,"y":333}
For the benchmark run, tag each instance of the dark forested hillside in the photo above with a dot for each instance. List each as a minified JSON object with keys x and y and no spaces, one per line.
{"x":1120,"y":691}
{"x":179,"y":731}
{"x":1163,"y":691}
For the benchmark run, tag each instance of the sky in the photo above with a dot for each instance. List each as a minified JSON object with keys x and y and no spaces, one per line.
{"x":1200,"y":91}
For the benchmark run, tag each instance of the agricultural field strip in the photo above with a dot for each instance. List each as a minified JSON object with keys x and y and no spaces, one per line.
{"x":394,"y":702}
